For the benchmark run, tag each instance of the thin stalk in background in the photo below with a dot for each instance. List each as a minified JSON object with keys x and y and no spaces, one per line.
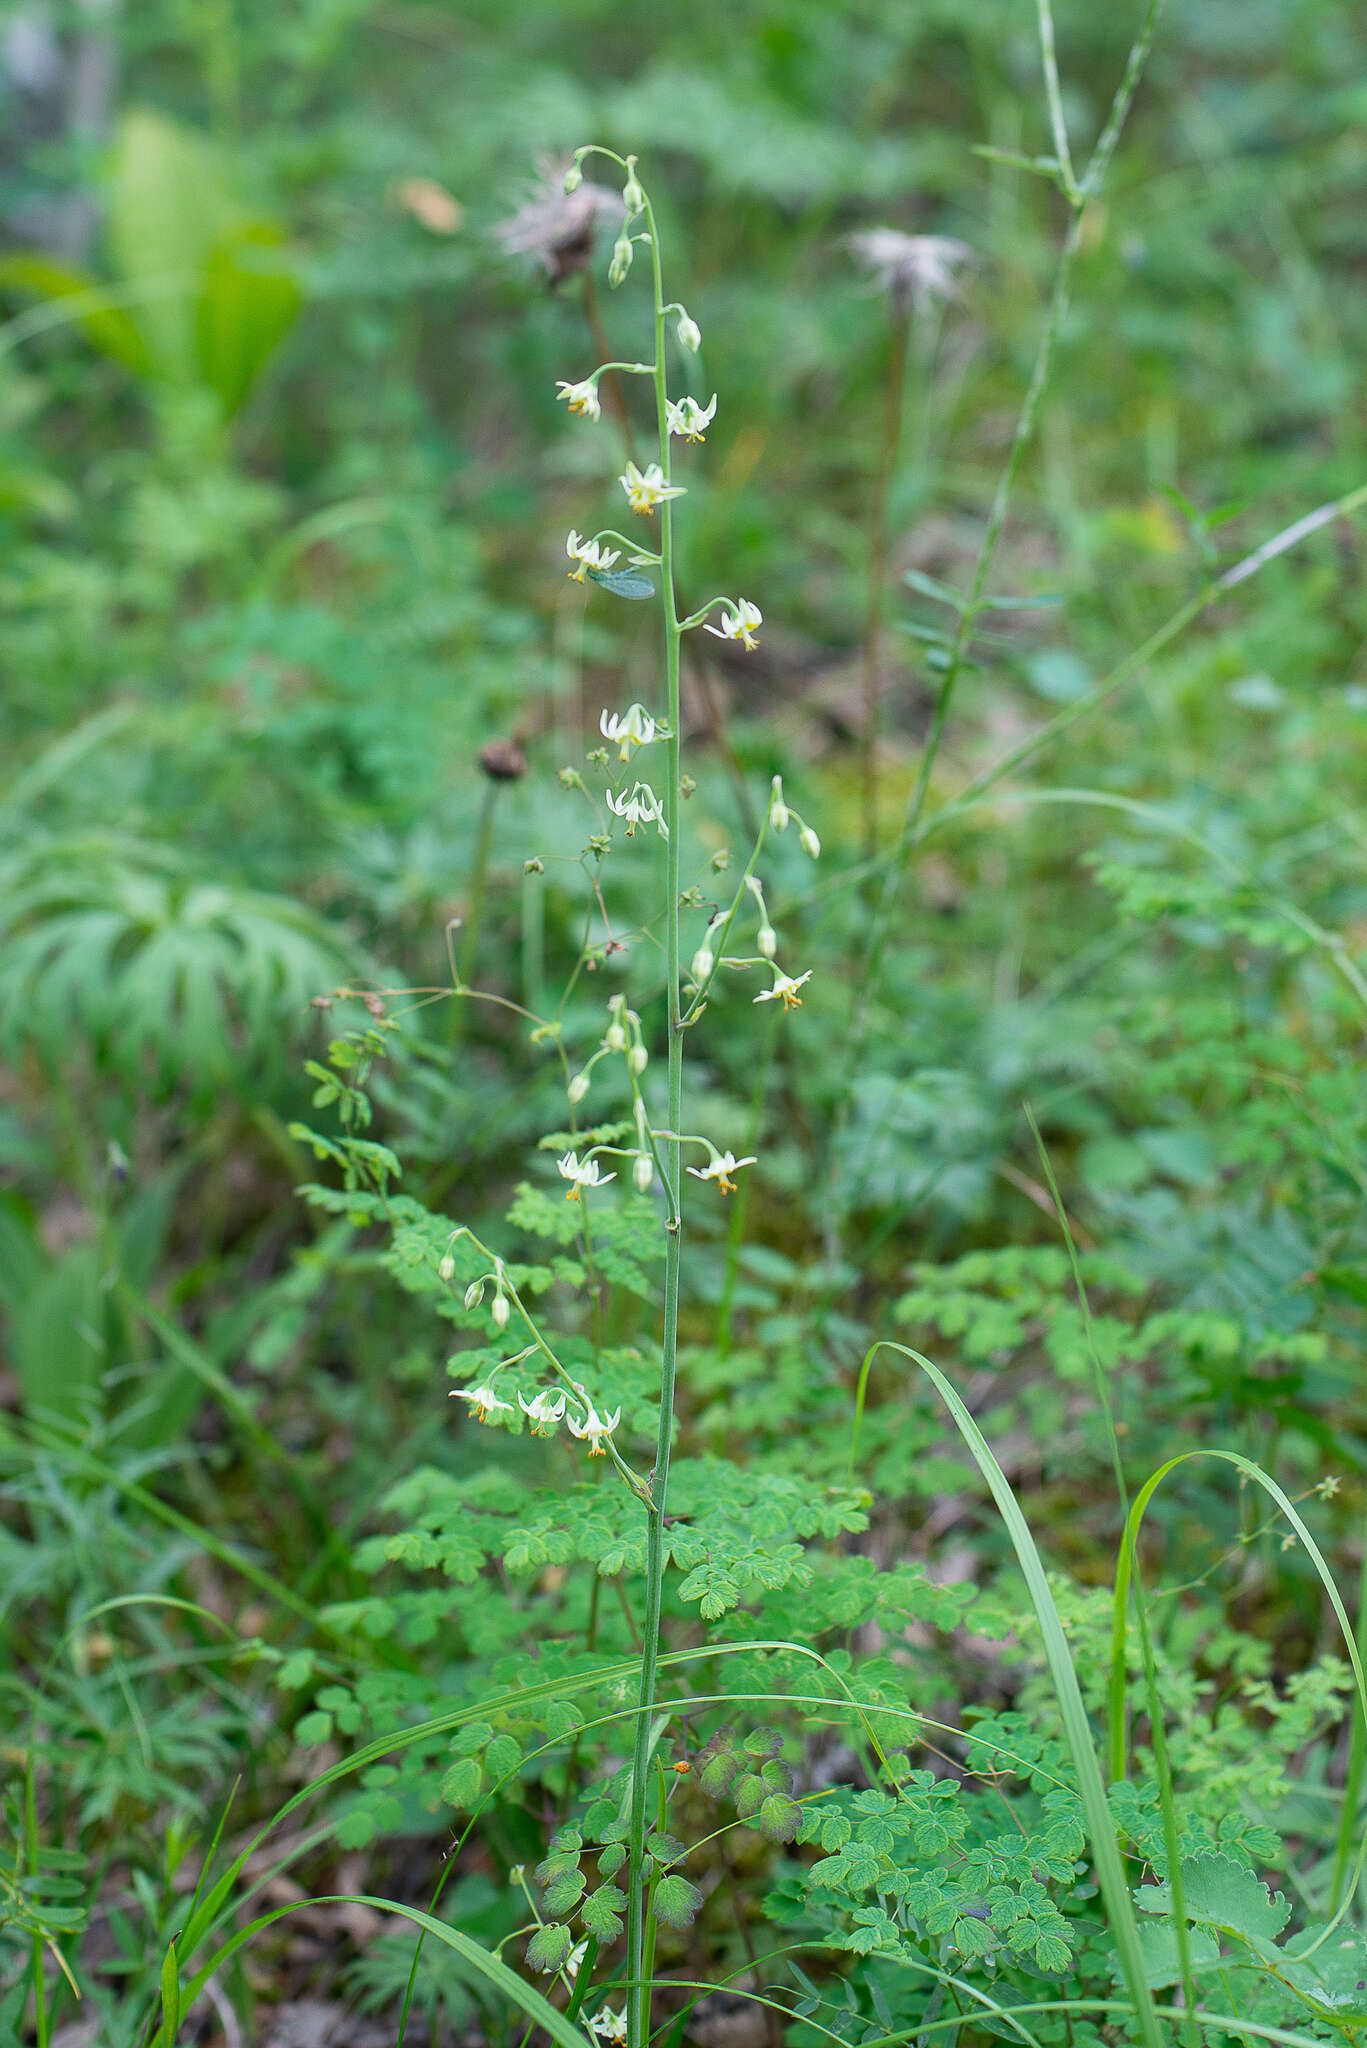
{"x":1079,"y":197}
{"x":875,"y":603}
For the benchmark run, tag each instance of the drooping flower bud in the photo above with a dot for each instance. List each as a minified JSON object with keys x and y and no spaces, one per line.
{"x":447,"y":1268}
{"x":643,"y":1172}
{"x":474,"y":1293}
{"x":633,"y":198}
{"x":809,"y":842}
{"x":578,"y":1088}
{"x":778,"y":810}
{"x":621,"y":260}
{"x":499,"y":1311}
{"x":702,"y":963}
{"x":689,"y":333}
{"x":767,"y":941}
{"x":574,"y":178}
{"x":637,"y":1059}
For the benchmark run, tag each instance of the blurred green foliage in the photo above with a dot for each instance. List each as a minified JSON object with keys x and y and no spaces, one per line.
{"x":282,"y":488}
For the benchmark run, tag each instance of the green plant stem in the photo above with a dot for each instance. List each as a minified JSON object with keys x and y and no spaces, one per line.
{"x":894,"y":406}
{"x":638,"y":1989}
{"x":474,"y":909}
{"x":1349,"y":1832}
{"x":1080,"y":197}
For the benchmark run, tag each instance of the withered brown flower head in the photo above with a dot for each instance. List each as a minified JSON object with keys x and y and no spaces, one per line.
{"x":503,"y":761}
{"x":914,"y":270}
{"x":559,"y":227}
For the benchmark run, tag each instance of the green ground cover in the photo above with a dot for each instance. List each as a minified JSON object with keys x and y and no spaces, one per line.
{"x":966,"y":1648}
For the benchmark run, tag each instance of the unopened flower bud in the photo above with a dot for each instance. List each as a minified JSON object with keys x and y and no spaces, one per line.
{"x":809,"y":842}
{"x":574,"y":178}
{"x":578,"y":1088}
{"x":637,"y":1059}
{"x":474,"y":1293}
{"x":767,"y":941}
{"x":499,"y":1311}
{"x":778,"y":810}
{"x":643,"y":1173}
{"x":621,"y":260}
{"x":615,"y":1039}
{"x":689,"y":333}
{"x":447,"y":1268}
{"x":633,"y":198}
{"x":534,"y":866}
{"x":703,"y":961}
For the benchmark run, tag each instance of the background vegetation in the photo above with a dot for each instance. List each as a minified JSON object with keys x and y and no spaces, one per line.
{"x":283,"y":485}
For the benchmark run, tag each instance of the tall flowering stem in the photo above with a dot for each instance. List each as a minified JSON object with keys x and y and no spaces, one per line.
{"x":639,"y":1943}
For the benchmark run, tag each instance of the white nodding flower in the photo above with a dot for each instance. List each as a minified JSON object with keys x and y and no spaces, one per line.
{"x":633,"y":727}
{"x":643,"y":1173}
{"x":642,"y":807}
{"x":702,"y":963}
{"x":778,"y":810}
{"x":483,"y":1400}
{"x":785,"y":990}
{"x":498,"y":1309}
{"x":581,"y":1174}
{"x":545,"y":1410}
{"x":720,"y":1168}
{"x":767,"y":940}
{"x":578,"y":1088}
{"x":739,"y":623}
{"x":595,"y":1427}
{"x":609,"y":2026}
{"x":689,"y":333}
{"x":581,"y":398}
{"x":689,"y":419}
{"x":809,"y":842}
{"x":647,"y":488}
{"x":574,"y":1959}
{"x":589,"y":554}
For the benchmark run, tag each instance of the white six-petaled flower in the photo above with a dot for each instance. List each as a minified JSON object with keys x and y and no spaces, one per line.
{"x":785,"y":990}
{"x":545,"y":1410}
{"x":581,"y":1174}
{"x":595,"y":1427}
{"x":642,"y":807}
{"x":689,"y":419}
{"x":609,"y":2026}
{"x":647,"y":488}
{"x":720,"y":1168}
{"x":581,"y":398}
{"x":739,"y":624}
{"x":634,"y":727}
{"x":589,"y":554}
{"x":483,"y":1400}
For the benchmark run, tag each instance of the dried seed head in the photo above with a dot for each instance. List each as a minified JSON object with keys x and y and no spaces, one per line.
{"x":503,"y":761}
{"x":559,"y":227}
{"x":914,"y":270}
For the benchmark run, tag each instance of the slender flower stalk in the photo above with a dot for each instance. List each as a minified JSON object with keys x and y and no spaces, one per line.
{"x":1080,"y":195}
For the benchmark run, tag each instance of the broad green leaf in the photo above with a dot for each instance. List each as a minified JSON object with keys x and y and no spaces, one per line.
{"x":246,"y":306}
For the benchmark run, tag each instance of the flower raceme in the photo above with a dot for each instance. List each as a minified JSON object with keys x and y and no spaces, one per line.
{"x":739,"y":623}
{"x":642,"y":807}
{"x":483,"y":1400}
{"x":647,"y":488}
{"x":595,"y":1427}
{"x":585,"y":1173}
{"x":689,"y":419}
{"x":720,"y":1168}
{"x":545,"y":1410}
{"x":589,"y":554}
{"x":785,"y":991}
{"x":634,"y":727}
{"x":581,"y":398}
